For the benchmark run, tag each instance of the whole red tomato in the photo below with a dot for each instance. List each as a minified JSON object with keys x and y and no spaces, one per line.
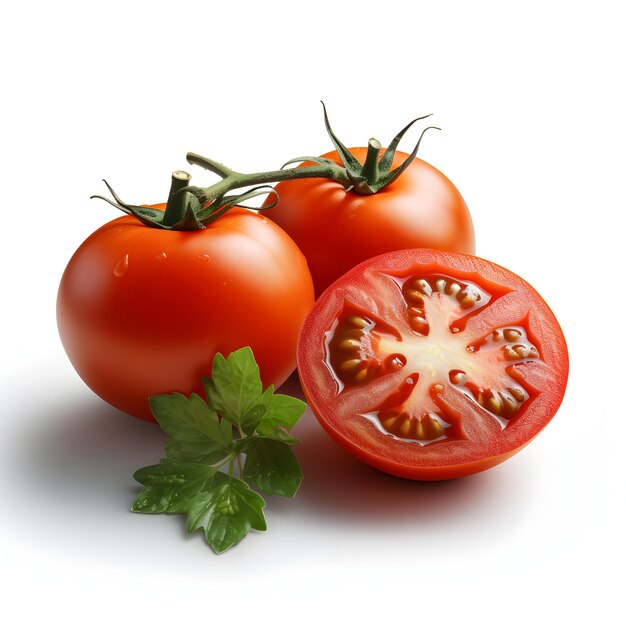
{"x":337,"y":229}
{"x":142,"y":311}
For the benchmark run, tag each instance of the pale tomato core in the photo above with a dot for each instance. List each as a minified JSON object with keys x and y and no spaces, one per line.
{"x":434,"y":350}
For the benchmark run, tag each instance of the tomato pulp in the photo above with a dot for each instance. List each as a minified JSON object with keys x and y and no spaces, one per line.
{"x":142,"y":311}
{"x":432,"y":365}
{"x":338,"y":229}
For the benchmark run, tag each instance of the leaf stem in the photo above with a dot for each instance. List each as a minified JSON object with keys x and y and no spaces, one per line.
{"x":239,"y":464}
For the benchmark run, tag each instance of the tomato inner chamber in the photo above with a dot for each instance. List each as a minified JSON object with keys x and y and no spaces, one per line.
{"x":434,"y":350}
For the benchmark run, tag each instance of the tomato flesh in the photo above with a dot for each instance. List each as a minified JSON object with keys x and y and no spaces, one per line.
{"x":431,"y":365}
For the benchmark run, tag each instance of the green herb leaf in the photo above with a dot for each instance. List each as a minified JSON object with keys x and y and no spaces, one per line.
{"x":235,"y":386}
{"x":278,"y":434}
{"x":281,"y":411}
{"x":238,"y":418}
{"x":198,"y":435}
{"x":226,"y":512}
{"x":170,"y":486}
{"x":281,"y":414}
{"x":273,"y":467}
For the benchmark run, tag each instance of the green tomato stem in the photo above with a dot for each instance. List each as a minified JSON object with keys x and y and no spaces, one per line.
{"x":370,"y":167}
{"x":232,"y":180}
{"x":194,"y":208}
{"x":177,"y":202}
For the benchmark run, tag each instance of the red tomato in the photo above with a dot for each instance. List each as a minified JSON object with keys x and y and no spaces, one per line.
{"x":432,"y":365}
{"x":142,"y":311}
{"x":336,"y":229}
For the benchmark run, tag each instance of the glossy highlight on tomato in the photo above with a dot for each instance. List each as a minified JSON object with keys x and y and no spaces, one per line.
{"x":432,"y":365}
{"x":338,"y":229}
{"x":142,"y":311}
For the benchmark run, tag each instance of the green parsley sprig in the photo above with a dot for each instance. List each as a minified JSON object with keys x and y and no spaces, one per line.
{"x":208,"y":441}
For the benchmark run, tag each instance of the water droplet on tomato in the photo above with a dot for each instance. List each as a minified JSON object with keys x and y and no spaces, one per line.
{"x":121,"y":267}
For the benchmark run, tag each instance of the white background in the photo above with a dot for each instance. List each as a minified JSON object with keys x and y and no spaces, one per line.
{"x":530,"y":97}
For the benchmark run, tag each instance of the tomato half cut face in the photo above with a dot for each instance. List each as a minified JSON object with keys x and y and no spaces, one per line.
{"x":432,"y":365}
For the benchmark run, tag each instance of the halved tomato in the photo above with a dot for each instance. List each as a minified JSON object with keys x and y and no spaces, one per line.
{"x":432,"y":365}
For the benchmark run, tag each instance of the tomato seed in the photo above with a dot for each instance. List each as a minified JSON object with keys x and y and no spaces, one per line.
{"x":405,"y":427}
{"x":466,"y":299}
{"x":436,"y":427}
{"x":349,"y":366}
{"x":509,"y":406}
{"x":453,"y":289}
{"x":517,"y":393}
{"x":511,"y":334}
{"x":521,"y":350}
{"x":361,"y":375}
{"x":497,"y":336}
{"x":356,"y":320}
{"x":414,"y":296}
{"x":349,"y":345}
{"x":423,"y":286}
{"x":494,"y":404}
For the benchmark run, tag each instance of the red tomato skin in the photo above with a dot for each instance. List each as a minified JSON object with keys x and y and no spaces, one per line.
{"x":318,"y":386}
{"x":337,"y":230}
{"x":142,"y":311}
{"x":429,"y":474}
